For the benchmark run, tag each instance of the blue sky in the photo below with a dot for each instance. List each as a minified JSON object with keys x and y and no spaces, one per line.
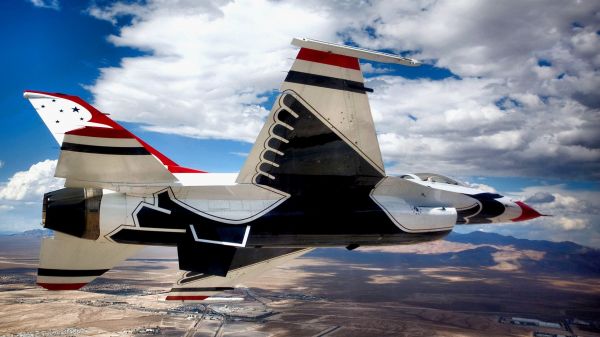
{"x":480,"y":109}
{"x":63,"y":51}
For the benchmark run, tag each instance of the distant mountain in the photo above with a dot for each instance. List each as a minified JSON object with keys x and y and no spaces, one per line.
{"x":485,"y":250}
{"x":561,"y":258}
{"x":476,"y":257}
{"x":486,"y":238}
{"x":33,"y":233}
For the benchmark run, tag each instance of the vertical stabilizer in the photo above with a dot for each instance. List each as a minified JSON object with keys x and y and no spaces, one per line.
{"x":328,"y":80}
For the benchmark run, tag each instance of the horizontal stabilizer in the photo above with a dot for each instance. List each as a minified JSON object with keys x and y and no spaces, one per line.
{"x":356,"y":52}
{"x":95,"y":150}
{"x":69,"y":263}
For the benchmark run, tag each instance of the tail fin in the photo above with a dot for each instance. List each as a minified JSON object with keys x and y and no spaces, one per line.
{"x":96,"y":150}
{"x":328,"y":86}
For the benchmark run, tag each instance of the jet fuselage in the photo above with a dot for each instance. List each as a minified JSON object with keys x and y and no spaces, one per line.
{"x":398,"y":210}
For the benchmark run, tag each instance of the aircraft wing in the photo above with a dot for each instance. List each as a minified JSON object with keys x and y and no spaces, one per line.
{"x":247,"y":263}
{"x":95,"y":150}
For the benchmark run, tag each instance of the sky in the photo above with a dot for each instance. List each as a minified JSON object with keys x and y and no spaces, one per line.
{"x":507,"y":99}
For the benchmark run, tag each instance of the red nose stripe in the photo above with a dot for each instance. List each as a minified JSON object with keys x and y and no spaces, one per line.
{"x":62,"y":286}
{"x":527,"y":213}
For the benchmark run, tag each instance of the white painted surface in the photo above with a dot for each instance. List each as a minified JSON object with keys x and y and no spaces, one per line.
{"x":67,"y":118}
{"x":206,"y":179}
{"x":68,"y":252}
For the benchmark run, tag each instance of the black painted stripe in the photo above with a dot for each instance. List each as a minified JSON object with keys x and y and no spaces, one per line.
{"x":70,"y":272}
{"x":184,"y":290}
{"x":104,"y":149}
{"x":141,"y":237}
{"x":326,"y":82}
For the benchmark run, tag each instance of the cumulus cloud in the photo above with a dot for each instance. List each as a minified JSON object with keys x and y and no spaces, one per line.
{"x":480,"y":186}
{"x":541,"y":198}
{"x":571,"y":223}
{"x":524,"y":101}
{"x":508,"y":113}
{"x":51,"y":4}
{"x":30,"y":185}
{"x":369,"y":68}
{"x":211,"y":65}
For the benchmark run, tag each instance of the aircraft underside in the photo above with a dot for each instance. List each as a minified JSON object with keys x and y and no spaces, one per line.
{"x":314,"y":178}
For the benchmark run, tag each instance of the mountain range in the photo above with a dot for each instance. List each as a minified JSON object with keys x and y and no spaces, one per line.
{"x":475,"y":249}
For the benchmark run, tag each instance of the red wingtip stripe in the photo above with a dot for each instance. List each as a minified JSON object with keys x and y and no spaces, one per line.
{"x":62,"y":286}
{"x":89,"y":131}
{"x":186,"y":298}
{"x":180,"y":169}
{"x":117,"y":131}
{"x":97,"y":116}
{"x":318,"y":56}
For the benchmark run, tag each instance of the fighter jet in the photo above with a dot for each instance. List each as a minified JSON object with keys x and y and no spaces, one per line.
{"x":314,"y":178}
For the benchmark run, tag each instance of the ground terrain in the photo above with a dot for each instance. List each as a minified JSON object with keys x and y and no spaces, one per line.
{"x":466,"y":285}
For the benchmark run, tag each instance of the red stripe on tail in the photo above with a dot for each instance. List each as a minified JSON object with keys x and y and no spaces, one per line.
{"x":89,"y":131}
{"x":117,"y":131}
{"x":323,"y":57}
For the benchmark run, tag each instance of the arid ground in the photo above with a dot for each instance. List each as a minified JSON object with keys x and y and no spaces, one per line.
{"x":467,"y":285}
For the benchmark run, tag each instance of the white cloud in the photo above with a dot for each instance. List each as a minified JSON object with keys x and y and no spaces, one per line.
{"x":210,"y":66}
{"x":480,"y":186}
{"x":21,"y":196}
{"x":30,"y":185}
{"x":550,"y":115}
{"x":557,"y":200}
{"x":369,"y":68}
{"x":571,"y":223}
{"x":51,"y":4}
{"x":4,"y":208}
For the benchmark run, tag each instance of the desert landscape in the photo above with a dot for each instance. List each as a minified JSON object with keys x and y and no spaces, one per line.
{"x":478,"y":284}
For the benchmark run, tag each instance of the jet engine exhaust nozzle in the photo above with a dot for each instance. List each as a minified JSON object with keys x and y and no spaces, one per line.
{"x":73,"y":211}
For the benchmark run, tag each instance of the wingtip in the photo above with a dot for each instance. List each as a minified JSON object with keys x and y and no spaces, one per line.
{"x":39,"y":94}
{"x":35,"y":94}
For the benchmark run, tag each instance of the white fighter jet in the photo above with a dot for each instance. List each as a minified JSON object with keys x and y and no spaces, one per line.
{"x":314,"y":178}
